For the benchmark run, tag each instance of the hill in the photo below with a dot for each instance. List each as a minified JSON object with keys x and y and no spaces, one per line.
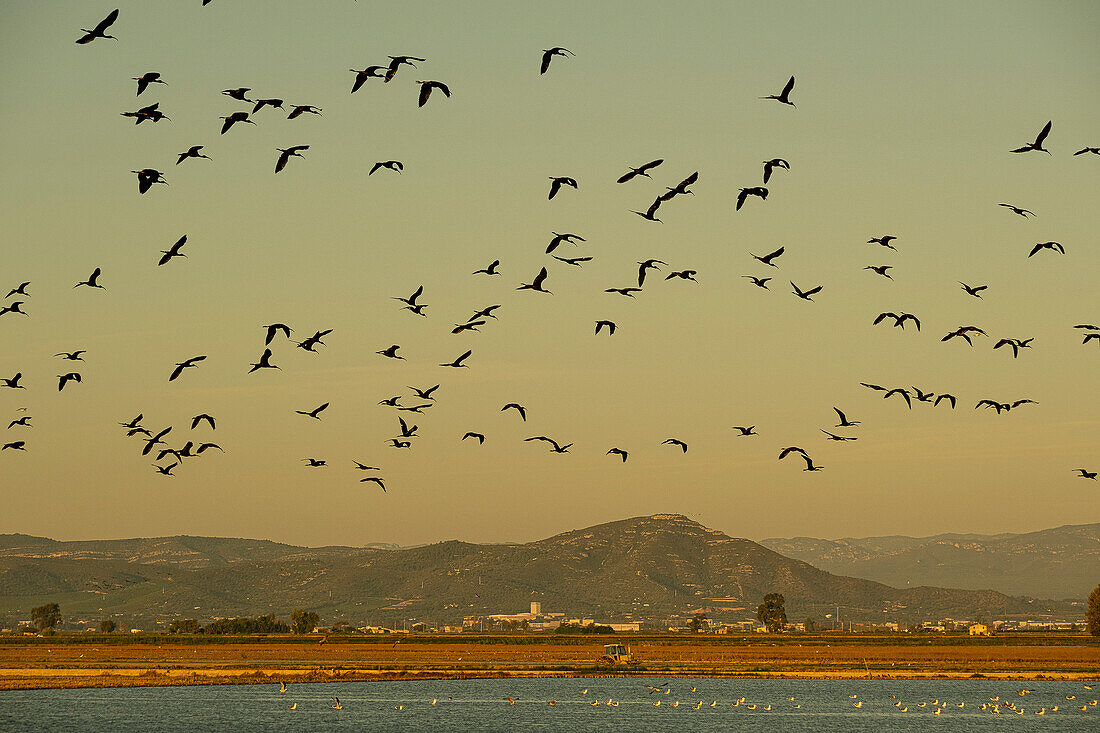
{"x":645,"y":568}
{"x":1063,"y":562}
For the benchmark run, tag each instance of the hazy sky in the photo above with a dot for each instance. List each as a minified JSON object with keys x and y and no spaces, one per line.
{"x":905,"y":117}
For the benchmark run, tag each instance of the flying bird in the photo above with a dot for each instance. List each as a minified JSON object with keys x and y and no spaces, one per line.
{"x":238,"y":94}
{"x":24,"y":422}
{"x":628,"y":292}
{"x":1052,"y":246}
{"x":21,"y":290}
{"x":640,"y":171}
{"x":746,"y":431}
{"x":99,"y":30}
{"x":805,"y":295}
{"x":149,"y":77}
{"x":192,"y":152}
{"x":838,"y":438}
{"x":199,"y":418}
{"x":618,"y":452}
{"x":575,"y":261}
{"x":899,"y":320}
{"x":949,"y":397}
{"x":396,"y":61}
{"x":147,"y":177}
{"x":610,"y":325}
{"x":301,"y":109}
{"x":93,"y":280}
{"x":264,"y":362}
{"x":425,"y":394}
{"x":881,"y":270}
{"x":411,"y":300}
{"x":680,"y":188}
{"x":884,"y":241}
{"x":426,"y":88}
{"x":285,"y":155}
{"x":14,"y":307}
{"x":458,"y":362}
{"x":556,"y":182}
{"x":674,"y":441}
{"x":63,"y":379}
{"x":555,"y":447}
{"x":273,"y":103}
{"x":559,"y":238}
{"x":15,"y":445}
{"x":683,"y":275}
{"x":760,"y":282}
{"x":393,"y":165}
{"x":770,"y":165}
{"x":193,"y":361}
{"x":976,"y":291}
{"x":275,"y":328}
{"x":903,"y":392}
{"x":844,"y":421}
{"x":1082,"y":473}
{"x":518,"y":408}
{"x":173,"y":251}
{"x":550,"y":53}
{"x":767,"y":259}
{"x":650,"y":213}
{"x":792,"y":449}
{"x":378,"y":72}
{"x":1038,"y":144}
{"x":1082,"y":151}
{"x":647,"y":265}
{"x":744,"y":193}
{"x":13,"y":383}
{"x":783,"y":96}
{"x":72,"y":355}
{"x":480,"y":438}
{"x":536,"y":284}
{"x":315,"y":413}
{"x":490,"y":270}
{"x":315,"y":463}
{"x":1017,"y":210}
{"x":374,"y":479}
{"x":390,"y":352}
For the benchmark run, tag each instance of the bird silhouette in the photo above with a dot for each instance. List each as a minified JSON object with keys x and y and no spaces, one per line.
{"x":884,"y":241}
{"x":396,"y":61}
{"x":838,"y":438}
{"x":680,"y":188}
{"x":21,"y":290}
{"x":458,"y":362}
{"x":98,"y":31}
{"x":72,"y":355}
{"x":390,"y":352}
{"x":192,"y":362}
{"x":468,"y":326}
{"x":618,"y":452}
{"x":650,"y":213}
{"x":15,"y":445}
{"x":23,"y":422}
{"x":555,"y":447}
{"x":64,"y":379}
{"x":963,"y":333}
{"x":949,"y":397}
{"x":903,"y":392}
{"x":744,"y":193}
{"x":199,"y":418}
{"x":536,"y":284}
{"x":899,"y":320}
{"x":556,"y":182}
{"x":550,"y":53}
{"x":628,"y":292}
{"x":264,"y":362}
{"x":315,"y":463}
{"x":783,"y":96}
{"x":647,"y":265}
{"x":173,"y":251}
{"x":426,"y":88}
{"x":770,"y":165}
{"x":1082,"y":473}
{"x":976,"y":291}
{"x":192,"y":152}
{"x":273,"y":103}
{"x":151,"y":113}
{"x":480,"y":438}
{"x":574,"y":261}
{"x":239,"y":94}
{"x":398,"y":443}
{"x":760,"y":282}
{"x":406,"y":431}
{"x":683,"y":275}
{"x":1017,"y":210}
{"x":147,"y":177}
{"x":844,"y":421}
{"x":14,"y":307}
{"x":425,"y":394}
{"x":674,"y":441}
{"x":1052,"y":246}
{"x":1082,"y":151}
{"x":746,"y":431}
{"x":792,"y":449}
{"x":92,"y":281}
{"x":881,"y":270}
{"x":13,"y":383}
{"x":805,"y":295}
{"x":275,"y":328}
{"x":411,"y":300}
{"x":285,"y":155}
{"x":1038,"y":144}
{"x":767,"y":259}
{"x":518,"y":408}
{"x":490,"y":270}
{"x":640,"y":171}
{"x":394,"y":165}
{"x":374,"y":479}
{"x":301,"y":109}
{"x":315,"y":413}
{"x":609,"y":325}
{"x":165,"y":470}
{"x":361,"y":77}
{"x":233,"y":119}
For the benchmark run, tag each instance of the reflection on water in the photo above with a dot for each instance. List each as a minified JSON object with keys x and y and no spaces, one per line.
{"x":580,"y":705}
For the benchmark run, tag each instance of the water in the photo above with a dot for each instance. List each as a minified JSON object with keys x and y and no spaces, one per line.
{"x":480,"y":705}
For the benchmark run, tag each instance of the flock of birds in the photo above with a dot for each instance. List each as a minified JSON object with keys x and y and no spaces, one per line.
{"x":658,"y":697}
{"x":421,"y":399}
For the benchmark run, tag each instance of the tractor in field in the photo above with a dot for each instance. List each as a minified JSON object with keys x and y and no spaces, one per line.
{"x":617,"y":654}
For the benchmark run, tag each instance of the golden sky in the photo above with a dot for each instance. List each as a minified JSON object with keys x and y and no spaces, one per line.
{"x":904,"y":121}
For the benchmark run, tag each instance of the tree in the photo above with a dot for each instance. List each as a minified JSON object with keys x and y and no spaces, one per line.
{"x":809,"y":625}
{"x":185,"y":626}
{"x":107,"y":625}
{"x":47,"y":616}
{"x":697,"y":622}
{"x":771,"y":613}
{"x":304,"y":621}
{"x":1093,"y":615}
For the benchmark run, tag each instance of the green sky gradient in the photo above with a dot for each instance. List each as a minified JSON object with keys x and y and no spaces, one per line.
{"x":906,"y":114}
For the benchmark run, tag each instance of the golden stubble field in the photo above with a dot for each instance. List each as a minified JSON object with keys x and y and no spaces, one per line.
{"x":58,"y":663}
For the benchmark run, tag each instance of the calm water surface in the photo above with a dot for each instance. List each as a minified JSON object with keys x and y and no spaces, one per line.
{"x":480,"y":705}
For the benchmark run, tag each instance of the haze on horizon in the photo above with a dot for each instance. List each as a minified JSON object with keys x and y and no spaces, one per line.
{"x":904,"y":119}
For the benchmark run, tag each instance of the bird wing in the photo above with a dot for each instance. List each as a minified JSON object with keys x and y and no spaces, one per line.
{"x":546,"y":55}
{"x":555,"y":185}
{"x":113,"y":16}
{"x":540,"y":278}
{"x":741,"y":199}
{"x":1042,"y":135}
{"x":787,"y":89}
{"x":177,"y":371}
{"x":626,"y":176}
{"x":425,"y":92}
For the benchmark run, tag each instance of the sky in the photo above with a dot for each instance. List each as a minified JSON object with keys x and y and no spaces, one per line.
{"x":905,"y":117}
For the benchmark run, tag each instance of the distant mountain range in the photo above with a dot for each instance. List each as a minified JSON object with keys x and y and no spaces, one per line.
{"x":646,"y":568}
{"x":1054,"y":563}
